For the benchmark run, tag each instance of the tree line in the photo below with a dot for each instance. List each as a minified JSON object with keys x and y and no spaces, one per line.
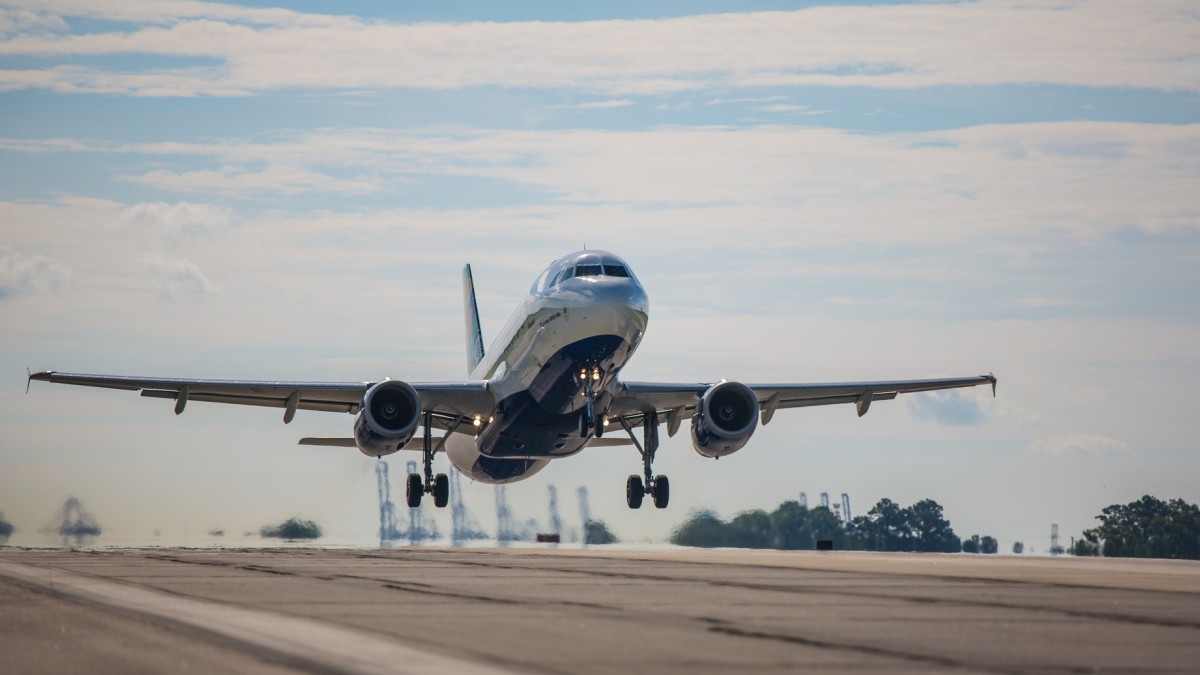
{"x":886,"y":527}
{"x":1144,"y":528}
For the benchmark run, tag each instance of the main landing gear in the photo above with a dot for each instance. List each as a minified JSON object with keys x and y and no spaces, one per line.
{"x":658,"y":487}
{"x":438,"y":486}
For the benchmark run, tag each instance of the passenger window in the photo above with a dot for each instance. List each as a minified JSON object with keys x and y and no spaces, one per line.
{"x":587,"y":270}
{"x":616,"y":271}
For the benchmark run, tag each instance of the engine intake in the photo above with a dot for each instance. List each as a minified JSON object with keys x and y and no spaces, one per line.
{"x":391,"y":411}
{"x":725,"y":419}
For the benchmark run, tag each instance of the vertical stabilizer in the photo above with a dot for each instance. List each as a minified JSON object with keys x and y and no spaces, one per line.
{"x":471,"y":310}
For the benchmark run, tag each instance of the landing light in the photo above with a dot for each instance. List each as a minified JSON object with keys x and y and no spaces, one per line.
{"x":477,"y":421}
{"x":605,"y":421}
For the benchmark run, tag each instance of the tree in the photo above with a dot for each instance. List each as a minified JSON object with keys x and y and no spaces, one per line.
{"x":704,"y":529}
{"x":292,"y":528}
{"x":989,"y":545}
{"x":971,"y":545}
{"x":1018,"y":547}
{"x":1145,"y":528}
{"x":933,"y":532}
{"x":597,"y":532}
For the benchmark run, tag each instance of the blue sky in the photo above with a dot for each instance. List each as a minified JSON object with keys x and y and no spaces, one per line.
{"x":810,"y":193}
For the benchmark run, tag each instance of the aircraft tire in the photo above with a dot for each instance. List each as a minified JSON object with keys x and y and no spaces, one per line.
{"x":414,"y":490}
{"x":661,"y":492}
{"x":441,"y":490}
{"x":634,"y":491}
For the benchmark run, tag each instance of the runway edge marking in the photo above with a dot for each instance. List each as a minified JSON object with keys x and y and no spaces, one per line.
{"x":340,"y":649}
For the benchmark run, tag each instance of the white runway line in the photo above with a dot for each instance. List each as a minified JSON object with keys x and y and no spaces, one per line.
{"x":331,"y":646}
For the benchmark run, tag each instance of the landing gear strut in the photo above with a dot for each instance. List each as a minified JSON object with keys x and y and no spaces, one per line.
{"x":658,"y":487}
{"x":438,"y":486}
{"x":587,"y":420}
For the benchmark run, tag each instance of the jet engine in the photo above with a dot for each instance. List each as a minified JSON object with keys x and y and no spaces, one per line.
{"x":725,"y":419}
{"x":390,"y":413}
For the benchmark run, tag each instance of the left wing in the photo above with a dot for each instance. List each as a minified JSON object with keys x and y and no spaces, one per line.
{"x":448,"y":401}
{"x":634,"y":399}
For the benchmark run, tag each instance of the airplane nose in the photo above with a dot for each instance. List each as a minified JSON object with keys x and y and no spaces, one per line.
{"x":617,"y":291}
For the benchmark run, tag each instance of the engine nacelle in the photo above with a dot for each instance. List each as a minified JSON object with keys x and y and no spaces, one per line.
{"x":390,"y":414}
{"x":725,"y":419}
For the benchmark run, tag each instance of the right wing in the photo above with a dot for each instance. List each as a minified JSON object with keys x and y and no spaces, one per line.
{"x":449,"y":402}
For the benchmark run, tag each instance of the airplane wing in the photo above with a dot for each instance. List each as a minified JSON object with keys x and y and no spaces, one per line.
{"x":674,"y":401}
{"x":448,"y":401}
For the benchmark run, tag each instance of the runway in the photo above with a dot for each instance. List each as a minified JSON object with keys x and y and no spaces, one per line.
{"x":589,"y":611}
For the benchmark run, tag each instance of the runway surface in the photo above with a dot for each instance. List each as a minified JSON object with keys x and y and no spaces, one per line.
{"x":595,"y":611}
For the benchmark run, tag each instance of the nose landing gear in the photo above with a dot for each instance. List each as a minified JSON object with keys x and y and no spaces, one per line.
{"x":439,"y":485}
{"x":587,"y":420}
{"x":658,"y":487}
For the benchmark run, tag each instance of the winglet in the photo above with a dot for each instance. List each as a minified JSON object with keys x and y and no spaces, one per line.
{"x":28,"y":379}
{"x":474,"y":332}
{"x":992,"y":378}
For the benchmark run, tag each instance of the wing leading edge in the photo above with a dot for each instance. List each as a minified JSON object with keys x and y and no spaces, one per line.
{"x":447,"y":400}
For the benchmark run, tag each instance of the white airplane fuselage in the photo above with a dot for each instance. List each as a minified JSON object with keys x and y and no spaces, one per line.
{"x":585,"y":327}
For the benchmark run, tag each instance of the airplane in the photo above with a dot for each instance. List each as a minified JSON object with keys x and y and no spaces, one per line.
{"x":547,"y":388}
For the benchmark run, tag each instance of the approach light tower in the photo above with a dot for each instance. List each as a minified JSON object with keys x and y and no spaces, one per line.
{"x":387,"y":510}
{"x":804,"y":499}
{"x":825,"y":501}
{"x":462,"y":525}
{"x":585,"y":513}
{"x":504,"y":524}
{"x":555,"y":521}
{"x":846,"y":507}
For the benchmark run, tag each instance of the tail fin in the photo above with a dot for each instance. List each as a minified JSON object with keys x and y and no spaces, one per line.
{"x":474,"y":333}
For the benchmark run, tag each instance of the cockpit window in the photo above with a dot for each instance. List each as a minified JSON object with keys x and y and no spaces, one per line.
{"x":587,"y":270}
{"x":566,"y":274}
{"x":616,"y":271}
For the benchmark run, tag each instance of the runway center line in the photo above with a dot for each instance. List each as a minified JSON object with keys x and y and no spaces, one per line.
{"x":333,"y":647}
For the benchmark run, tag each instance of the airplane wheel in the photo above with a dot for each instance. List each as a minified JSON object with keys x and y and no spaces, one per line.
{"x":661,"y":492}
{"x":583,"y":425}
{"x":414,"y":490}
{"x":441,"y":490}
{"x":634,"y":491}
{"x":599,"y":427}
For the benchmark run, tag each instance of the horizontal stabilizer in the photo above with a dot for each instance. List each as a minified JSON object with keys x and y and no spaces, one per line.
{"x":331,"y":442}
{"x":609,"y":442}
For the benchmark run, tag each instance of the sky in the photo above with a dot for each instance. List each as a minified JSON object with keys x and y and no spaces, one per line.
{"x":809,"y":192}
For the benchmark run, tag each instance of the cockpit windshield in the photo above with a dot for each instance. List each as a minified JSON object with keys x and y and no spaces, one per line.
{"x":589,"y":266}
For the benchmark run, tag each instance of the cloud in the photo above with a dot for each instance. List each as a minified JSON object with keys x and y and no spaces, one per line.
{"x":947,"y":407}
{"x":792,"y":108}
{"x":175,"y":222}
{"x":1080,"y":445}
{"x":896,"y":46}
{"x":601,"y":105}
{"x":1080,"y":178}
{"x":278,"y":179}
{"x":29,"y":274}
{"x":175,"y":278}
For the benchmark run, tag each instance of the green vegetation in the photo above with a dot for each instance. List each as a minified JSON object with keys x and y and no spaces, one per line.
{"x":292,"y":528}
{"x":1146,"y":528}
{"x":597,"y":532}
{"x":6,"y":528}
{"x":977,"y":544}
{"x":886,"y":527}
